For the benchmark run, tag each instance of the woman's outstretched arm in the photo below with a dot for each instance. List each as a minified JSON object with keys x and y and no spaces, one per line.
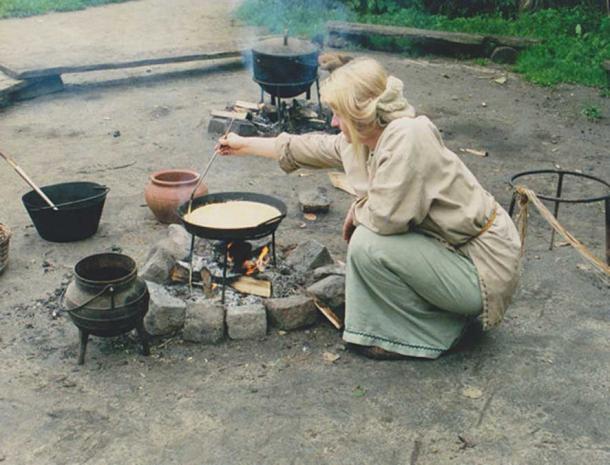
{"x":232,"y":144}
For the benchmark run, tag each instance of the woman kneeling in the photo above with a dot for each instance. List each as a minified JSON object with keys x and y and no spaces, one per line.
{"x":429,"y":248}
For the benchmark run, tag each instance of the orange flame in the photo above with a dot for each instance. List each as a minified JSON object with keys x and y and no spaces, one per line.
{"x":251,"y":266}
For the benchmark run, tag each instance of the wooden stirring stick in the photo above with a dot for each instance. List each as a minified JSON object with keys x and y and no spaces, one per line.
{"x":27,"y":179}
{"x":207,"y":168}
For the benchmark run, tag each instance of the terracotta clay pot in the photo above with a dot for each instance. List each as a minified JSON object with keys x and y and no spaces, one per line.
{"x":168,"y":189}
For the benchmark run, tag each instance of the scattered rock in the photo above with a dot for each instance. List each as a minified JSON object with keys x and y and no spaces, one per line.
{"x":165,"y":313}
{"x":472,"y":392}
{"x":204,"y":322}
{"x":309,"y":255}
{"x":116,"y":133}
{"x":314,"y":200}
{"x":330,"y":357}
{"x":328,"y":270}
{"x":466,"y":442}
{"x":330,"y":290}
{"x":247,"y":321}
{"x":292,"y":312}
{"x":504,"y":55}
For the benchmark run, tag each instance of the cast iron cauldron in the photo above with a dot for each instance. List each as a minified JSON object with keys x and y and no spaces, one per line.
{"x":285,"y":67}
{"x":107,"y":298}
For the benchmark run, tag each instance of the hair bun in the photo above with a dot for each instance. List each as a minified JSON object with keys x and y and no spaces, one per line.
{"x":392,"y":104}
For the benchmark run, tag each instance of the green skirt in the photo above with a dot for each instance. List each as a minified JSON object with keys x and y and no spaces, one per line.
{"x":408,"y":293}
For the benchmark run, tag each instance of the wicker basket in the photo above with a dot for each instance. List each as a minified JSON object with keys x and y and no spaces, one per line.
{"x":5,"y":235}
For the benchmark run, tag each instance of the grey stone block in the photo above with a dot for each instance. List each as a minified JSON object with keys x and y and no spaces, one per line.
{"x":247,"y":321}
{"x":328,"y":270}
{"x":292,"y":312}
{"x":165,"y":253}
{"x":330,"y":290}
{"x":218,"y":125}
{"x":166,"y":313}
{"x":243,"y":128}
{"x":158,"y":265}
{"x":180,"y":241}
{"x":309,"y":255}
{"x":204,"y":322}
{"x":314,"y":200}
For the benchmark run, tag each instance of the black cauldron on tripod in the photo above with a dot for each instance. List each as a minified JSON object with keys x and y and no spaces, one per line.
{"x":285,"y":67}
{"x":106,"y":298}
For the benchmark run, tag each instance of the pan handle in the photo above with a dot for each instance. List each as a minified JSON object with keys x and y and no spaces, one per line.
{"x":277,"y":219}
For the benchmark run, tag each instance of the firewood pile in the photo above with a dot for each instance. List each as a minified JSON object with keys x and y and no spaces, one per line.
{"x":298,"y":116}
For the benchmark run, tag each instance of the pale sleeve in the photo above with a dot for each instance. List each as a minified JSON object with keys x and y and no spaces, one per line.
{"x":397,"y":193}
{"x":309,"y":151}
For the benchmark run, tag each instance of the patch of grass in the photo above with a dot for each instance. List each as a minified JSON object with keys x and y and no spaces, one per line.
{"x":481,"y":61}
{"x":575,"y":41}
{"x":592,"y":113}
{"x":22,"y":8}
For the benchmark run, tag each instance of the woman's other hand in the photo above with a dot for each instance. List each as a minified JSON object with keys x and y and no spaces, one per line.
{"x":232,"y":144}
{"x":348,"y":224}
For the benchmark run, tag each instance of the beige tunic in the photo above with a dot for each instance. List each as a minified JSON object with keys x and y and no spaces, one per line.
{"x":412,"y":182}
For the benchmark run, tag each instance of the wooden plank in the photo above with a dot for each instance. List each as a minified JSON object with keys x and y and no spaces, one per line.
{"x":358,"y":29}
{"x":9,"y":86}
{"x":329,"y":314}
{"x":43,"y":72}
{"x":241,"y":115}
{"x":250,"y":106}
{"x":211,"y":51}
{"x":426,"y":35}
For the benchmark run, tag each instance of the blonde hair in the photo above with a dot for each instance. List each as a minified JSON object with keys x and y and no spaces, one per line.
{"x":365,"y":97}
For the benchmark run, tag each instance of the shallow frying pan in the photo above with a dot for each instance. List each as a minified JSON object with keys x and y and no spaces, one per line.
{"x":262,"y":230}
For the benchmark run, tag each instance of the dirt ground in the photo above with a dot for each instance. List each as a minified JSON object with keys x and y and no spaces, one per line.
{"x":542,"y":377}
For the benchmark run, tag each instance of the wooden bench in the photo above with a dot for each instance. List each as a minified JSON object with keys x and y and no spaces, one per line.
{"x":476,"y":44}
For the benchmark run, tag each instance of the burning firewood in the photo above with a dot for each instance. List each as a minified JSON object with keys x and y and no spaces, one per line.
{"x":250,"y":285}
{"x":180,"y":273}
{"x":205,"y":280}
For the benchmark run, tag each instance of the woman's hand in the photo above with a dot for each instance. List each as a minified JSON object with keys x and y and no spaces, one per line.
{"x":232,"y":144}
{"x":348,"y":225}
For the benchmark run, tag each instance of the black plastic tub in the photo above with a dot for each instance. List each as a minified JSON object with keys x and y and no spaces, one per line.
{"x":79,"y":204}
